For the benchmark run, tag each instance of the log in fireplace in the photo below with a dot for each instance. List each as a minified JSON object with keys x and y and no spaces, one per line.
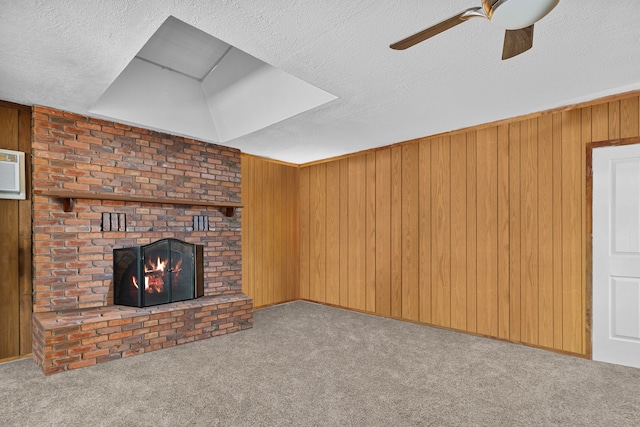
{"x":161,"y":272}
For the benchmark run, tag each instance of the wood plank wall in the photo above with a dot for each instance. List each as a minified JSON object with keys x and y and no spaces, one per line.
{"x":15,"y":241}
{"x":270,"y":244}
{"x":481,"y":230}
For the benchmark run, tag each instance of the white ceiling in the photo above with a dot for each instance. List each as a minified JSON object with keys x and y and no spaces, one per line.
{"x":65,"y":54}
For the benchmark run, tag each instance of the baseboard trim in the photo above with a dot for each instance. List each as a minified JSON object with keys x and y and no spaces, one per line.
{"x":277,"y":303}
{"x":11,"y":359}
{"x":554,"y":350}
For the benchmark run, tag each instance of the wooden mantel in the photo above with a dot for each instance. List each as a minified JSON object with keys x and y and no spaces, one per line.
{"x":68,"y":199}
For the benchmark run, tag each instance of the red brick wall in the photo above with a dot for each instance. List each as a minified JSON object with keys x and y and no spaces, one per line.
{"x":72,"y":256}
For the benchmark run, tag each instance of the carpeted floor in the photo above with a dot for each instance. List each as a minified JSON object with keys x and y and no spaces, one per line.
{"x":309,"y":365}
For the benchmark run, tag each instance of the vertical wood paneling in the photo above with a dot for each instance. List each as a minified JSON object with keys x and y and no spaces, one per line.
{"x":599,"y":122}
{"x":305,"y":264}
{"x":585,"y":138}
{"x":370,"y":231}
{"x":425,"y":230}
{"x":629,"y":117}
{"x":9,"y":248}
{"x":255,"y":244}
{"x":410,"y":236}
{"x":383,"y":232}
{"x":318,"y":246}
{"x":515,"y":221}
{"x":278,"y":290}
{"x":472,"y":226}
{"x":293,"y":236}
{"x":247,"y":281}
{"x":487,"y":232}
{"x":260,"y":226}
{"x":344,"y":232}
{"x":396,"y":232}
{"x":571,"y":231}
{"x":9,"y":285}
{"x":529,"y":237}
{"x":357,"y":233}
{"x":271,"y":253}
{"x":614,"y":120}
{"x":281,"y":233}
{"x":9,"y":138}
{"x":557,"y":231}
{"x":333,"y":233}
{"x":480,"y":230}
{"x":503,"y":233}
{"x":459,"y":231}
{"x":545,"y":231}
{"x":441,"y":232}
{"x":268,"y":229}
{"x":25,"y":266}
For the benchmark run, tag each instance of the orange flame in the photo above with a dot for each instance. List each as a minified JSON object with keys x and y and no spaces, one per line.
{"x":158,"y":266}
{"x":153,"y":283}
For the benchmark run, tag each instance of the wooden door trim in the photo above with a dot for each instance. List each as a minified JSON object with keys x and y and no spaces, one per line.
{"x":589,"y":233}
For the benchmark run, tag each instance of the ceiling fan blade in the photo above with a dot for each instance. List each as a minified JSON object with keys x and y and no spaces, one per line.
{"x":517,"y":41}
{"x":437,"y":29}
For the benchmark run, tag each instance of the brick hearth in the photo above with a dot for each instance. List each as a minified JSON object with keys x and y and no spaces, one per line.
{"x":78,"y":338}
{"x":75,"y":321}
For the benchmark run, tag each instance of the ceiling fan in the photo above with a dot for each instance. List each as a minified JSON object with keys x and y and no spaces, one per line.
{"x":515,"y":16}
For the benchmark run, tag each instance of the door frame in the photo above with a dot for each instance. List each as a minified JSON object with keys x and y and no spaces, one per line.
{"x":589,"y":230}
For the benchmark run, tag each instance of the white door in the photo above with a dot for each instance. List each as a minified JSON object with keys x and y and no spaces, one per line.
{"x":616,"y":255}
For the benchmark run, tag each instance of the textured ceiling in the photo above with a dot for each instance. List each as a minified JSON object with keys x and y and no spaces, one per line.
{"x":65,"y":53}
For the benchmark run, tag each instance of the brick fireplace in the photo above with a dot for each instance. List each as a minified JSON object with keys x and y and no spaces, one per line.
{"x":149,"y":180}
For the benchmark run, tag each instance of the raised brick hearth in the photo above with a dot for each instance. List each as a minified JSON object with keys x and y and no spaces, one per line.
{"x":75,"y":321}
{"x":77,"y":338}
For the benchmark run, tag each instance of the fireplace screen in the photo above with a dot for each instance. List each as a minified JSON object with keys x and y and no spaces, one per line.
{"x":158,"y":273}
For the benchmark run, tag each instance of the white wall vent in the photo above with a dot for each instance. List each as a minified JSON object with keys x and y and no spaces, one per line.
{"x":12,"y":175}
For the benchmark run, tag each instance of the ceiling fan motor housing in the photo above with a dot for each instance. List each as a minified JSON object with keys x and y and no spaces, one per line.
{"x":517,"y":14}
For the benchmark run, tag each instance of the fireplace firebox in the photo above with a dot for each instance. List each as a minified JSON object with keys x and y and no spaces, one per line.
{"x":161,"y":272}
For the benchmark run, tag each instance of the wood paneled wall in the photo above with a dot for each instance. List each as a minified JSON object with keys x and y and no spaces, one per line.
{"x":481,"y":230}
{"x":15,"y":241}
{"x":270,"y":243}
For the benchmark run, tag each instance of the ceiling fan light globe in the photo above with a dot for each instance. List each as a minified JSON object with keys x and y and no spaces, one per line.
{"x":517,"y":14}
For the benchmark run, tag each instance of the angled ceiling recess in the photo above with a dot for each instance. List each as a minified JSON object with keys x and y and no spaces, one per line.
{"x":186,"y":82}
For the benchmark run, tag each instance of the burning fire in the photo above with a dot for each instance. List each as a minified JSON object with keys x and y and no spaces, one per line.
{"x":158,"y":266}
{"x":154,"y":275}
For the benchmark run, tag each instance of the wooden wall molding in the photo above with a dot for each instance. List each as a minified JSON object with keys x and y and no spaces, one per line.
{"x":15,"y":106}
{"x":268,"y":160}
{"x":551,"y":111}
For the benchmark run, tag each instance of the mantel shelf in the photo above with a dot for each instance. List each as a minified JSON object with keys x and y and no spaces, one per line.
{"x":68,"y":200}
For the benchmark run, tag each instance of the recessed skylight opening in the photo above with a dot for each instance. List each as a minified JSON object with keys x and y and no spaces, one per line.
{"x":187,"y":82}
{"x":184,"y":49}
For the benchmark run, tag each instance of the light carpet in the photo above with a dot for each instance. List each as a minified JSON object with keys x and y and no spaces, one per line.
{"x":305,"y":364}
